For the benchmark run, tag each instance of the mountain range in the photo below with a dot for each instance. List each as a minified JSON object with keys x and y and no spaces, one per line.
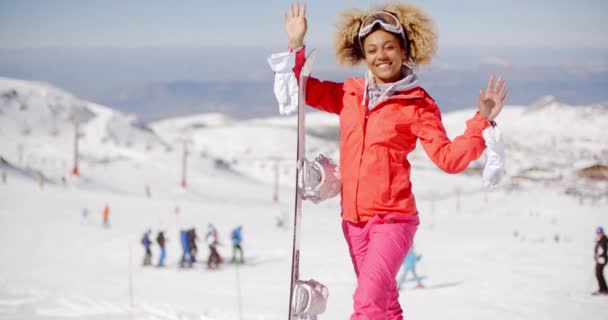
{"x":547,"y":141}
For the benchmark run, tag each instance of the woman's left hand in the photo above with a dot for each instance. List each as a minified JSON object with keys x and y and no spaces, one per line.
{"x":493,"y":99}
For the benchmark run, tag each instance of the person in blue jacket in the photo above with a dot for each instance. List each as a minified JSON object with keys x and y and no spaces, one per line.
{"x":145,"y":241}
{"x":160,"y":239}
{"x":236,"y":244}
{"x":187,"y":253}
{"x":84,"y":214}
{"x":409,"y":265}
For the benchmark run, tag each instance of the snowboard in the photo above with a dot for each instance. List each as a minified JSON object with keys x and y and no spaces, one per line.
{"x":297,"y":217}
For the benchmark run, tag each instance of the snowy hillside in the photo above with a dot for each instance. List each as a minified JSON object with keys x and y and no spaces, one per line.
{"x":511,"y":253}
{"x":548,"y":142}
{"x":37,"y":129}
{"x":258,"y":148}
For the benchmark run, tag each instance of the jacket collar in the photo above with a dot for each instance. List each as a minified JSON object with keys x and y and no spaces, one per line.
{"x":356,"y":87}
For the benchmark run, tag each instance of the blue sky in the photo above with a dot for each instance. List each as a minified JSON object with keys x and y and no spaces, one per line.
{"x":139,"y":23}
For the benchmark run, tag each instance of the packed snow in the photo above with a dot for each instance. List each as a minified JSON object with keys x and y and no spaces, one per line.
{"x":521,"y":251}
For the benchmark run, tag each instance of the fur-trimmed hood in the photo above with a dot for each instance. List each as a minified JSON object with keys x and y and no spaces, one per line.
{"x":417,"y":24}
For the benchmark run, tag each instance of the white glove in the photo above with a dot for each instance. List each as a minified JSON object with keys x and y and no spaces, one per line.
{"x":285,"y":82}
{"x":494,"y":168}
{"x":319,"y":180}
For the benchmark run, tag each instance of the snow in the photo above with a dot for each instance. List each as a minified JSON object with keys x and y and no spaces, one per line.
{"x":501,"y":254}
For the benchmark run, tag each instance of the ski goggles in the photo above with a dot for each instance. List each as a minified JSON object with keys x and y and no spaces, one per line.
{"x":387,"y":22}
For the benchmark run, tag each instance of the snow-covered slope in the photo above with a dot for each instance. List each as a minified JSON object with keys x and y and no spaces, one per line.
{"x":499,"y":254}
{"x":37,"y":128}
{"x":116,"y":153}
{"x":547,"y":142}
{"x":258,"y":148}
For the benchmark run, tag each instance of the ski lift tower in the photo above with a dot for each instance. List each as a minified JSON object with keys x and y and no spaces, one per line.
{"x":185,"y":142}
{"x":75,"y":171}
{"x":78,"y":114}
{"x":277,"y":167}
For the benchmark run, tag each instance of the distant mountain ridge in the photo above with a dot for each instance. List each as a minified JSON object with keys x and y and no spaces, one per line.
{"x":453,"y":89}
{"x":241,"y":99}
{"x":156,"y":83}
{"x":546,"y":142}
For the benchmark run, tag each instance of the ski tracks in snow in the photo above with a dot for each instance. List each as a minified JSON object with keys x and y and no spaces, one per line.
{"x":34,"y":304}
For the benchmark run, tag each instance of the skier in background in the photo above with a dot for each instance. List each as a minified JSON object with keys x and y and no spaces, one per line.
{"x":237,"y":238}
{"x":3,"y":177}
{"x":192,"y":239}
{"x":106,"y":216}
{"x":84,"y":214}
{"x":382,"y":116}
{"x":187,"y":253}
{"x":409,"y":265}
{"x":281,"y":221}
{"x":40,"y":181}
{"x":145,"y":241}
{"x":601,"y":258}
{"x":160,"y":239}
{"x":212,"y":241}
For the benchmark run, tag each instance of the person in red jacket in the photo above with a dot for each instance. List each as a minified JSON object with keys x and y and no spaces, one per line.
{"x":382,"y":116}
{"x":106,"y":216}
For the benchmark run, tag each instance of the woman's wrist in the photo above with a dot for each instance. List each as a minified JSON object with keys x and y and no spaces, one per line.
{"x":294,"y":44}
{"x":491,"y":122}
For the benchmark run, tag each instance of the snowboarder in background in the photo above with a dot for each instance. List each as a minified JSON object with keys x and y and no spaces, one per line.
{"x":187,"y":253}
{"x":105,"y":214}
{"x":160,"y":239}
{"x":409,"y":265}
{"x":212,"y":241}
{"x":192,"y":239}
{"x":382,"y":116}
{"x":601,"y":258}
{"x":145,"y":241}
{"x":3,"y":177}
{"x":237,"y":238}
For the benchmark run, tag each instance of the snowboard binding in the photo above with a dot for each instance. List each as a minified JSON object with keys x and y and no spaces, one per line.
{"x":309,"y":300}
{"x":319,"y":180}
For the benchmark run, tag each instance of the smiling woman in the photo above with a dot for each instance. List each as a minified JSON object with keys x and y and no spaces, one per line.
{"x":384,"y":55}
{"x":381,"y":118}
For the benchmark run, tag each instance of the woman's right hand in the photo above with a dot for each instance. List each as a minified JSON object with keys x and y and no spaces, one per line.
{"x":295,"y":24}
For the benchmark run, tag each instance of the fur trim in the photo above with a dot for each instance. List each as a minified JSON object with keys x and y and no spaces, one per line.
{"x":417,"y":24}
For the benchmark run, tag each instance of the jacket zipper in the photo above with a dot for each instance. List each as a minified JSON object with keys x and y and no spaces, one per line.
{"x":365,"y":120}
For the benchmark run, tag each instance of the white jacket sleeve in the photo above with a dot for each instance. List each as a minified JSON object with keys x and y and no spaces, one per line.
{"x":494,"y":168}
{"x":285,"y":82}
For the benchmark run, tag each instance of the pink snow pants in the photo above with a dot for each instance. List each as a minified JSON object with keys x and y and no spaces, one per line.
{"x":377,"y":249}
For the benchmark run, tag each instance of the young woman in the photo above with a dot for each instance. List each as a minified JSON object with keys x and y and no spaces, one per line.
{"x":381,"y":118}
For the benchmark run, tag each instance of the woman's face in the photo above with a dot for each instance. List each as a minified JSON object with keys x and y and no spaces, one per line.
{"x":384,"y":55}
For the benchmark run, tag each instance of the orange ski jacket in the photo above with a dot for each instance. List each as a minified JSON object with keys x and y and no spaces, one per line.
{"x":374,"y":144}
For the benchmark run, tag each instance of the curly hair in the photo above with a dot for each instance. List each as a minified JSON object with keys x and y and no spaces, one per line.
{"x":419,"y":27}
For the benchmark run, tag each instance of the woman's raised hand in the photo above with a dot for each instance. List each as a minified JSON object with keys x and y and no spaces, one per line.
{"x":493,"y":99}
{"x":295,"y":24}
